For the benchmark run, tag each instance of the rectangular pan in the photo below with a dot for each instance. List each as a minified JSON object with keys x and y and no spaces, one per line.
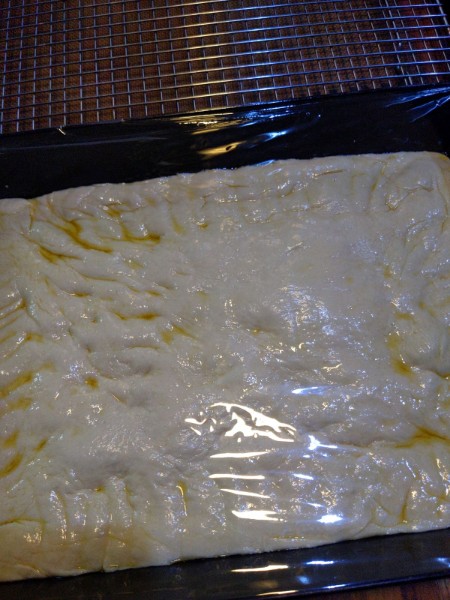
{"x":38,"y":162}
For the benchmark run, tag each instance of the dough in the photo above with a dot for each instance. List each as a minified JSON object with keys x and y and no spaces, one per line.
{"x":225,"y":362}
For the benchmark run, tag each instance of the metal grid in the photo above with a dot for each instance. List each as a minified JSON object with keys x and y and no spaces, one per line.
{"x":73,"y":62}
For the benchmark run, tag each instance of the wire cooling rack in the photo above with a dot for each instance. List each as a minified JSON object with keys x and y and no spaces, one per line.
{"x":73,"y":62}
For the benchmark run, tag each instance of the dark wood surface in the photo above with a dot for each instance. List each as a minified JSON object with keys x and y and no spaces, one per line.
{"x":83,"y":62}
{"x":436,"y":589}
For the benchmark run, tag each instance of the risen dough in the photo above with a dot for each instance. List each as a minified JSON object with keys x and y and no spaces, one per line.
{"x":225,"y":362}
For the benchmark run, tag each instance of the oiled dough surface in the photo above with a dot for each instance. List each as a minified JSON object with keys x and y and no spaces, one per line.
{"x":225,"y":362}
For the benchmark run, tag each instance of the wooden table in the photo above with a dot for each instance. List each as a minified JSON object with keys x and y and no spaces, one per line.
{"x":435,"y":589}
{"x":84,"y":62}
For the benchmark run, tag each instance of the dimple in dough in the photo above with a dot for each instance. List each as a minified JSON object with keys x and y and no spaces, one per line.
{"x":225,"y":362}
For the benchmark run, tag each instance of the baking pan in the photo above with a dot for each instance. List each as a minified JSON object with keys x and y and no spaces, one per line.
{"x":37,"y":162}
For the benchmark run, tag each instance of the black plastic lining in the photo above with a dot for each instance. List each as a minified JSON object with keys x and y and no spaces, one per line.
{"x":35,"y":163}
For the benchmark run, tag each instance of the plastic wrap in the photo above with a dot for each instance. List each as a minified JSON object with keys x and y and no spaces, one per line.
{"x":132,"y":151}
